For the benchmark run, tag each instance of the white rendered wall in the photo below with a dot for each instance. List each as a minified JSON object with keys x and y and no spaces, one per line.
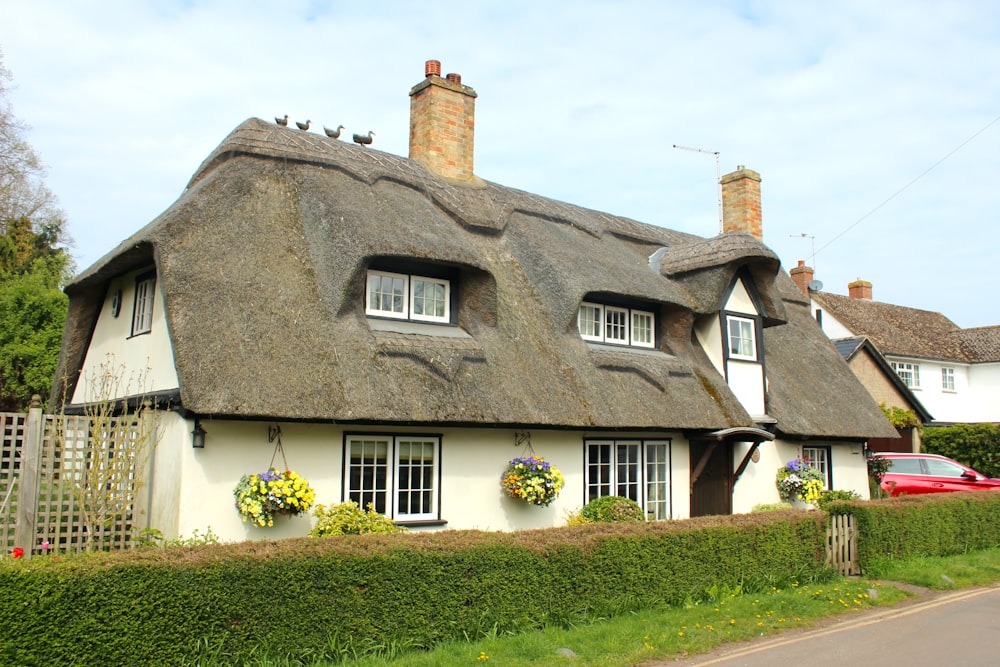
{"x":756,"y":485}
{"x":145,"y":363}
{"x":194,"y":488}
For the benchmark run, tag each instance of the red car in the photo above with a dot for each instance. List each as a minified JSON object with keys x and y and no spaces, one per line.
{"x":929,"y":473}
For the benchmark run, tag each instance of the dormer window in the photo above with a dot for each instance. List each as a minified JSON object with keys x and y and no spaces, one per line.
{"x":603,"y":323}
{"x":408,"y":297}
{"x":742,"y":338}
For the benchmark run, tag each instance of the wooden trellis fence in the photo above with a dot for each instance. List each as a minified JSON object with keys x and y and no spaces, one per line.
{"x":46,"y":465}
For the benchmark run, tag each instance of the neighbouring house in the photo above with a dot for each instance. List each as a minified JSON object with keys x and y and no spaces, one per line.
{"x":953,"y":372}
{"x":883,"y":383}
{"x":409,"y":328}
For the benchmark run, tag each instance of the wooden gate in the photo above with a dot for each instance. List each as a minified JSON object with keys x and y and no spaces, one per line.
{"x":842,"y":544}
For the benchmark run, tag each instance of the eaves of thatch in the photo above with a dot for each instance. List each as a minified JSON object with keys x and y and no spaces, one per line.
{"x":262,"y":264}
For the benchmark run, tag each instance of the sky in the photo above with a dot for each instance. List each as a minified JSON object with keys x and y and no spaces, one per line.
{"x":875,"y":126}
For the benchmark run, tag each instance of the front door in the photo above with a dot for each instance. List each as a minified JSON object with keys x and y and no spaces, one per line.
{"x":711,"y":478}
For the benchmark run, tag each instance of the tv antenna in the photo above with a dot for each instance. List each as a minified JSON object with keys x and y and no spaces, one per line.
{"x":812,"y":239}
{"x":718,"y":174}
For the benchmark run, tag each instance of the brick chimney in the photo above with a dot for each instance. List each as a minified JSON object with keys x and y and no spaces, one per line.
{"x":741,"y":202}
{"x":442,"y":124}
{"x":860,"y":289}
{"x":802,"y":275}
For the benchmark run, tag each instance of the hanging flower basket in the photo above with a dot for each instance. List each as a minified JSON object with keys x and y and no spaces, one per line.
{"x":532,"y":479}
{"x":262,"y":495}
{"x":798,"y":480}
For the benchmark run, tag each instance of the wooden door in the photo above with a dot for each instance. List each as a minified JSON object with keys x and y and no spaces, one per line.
{"x":711,"y":474}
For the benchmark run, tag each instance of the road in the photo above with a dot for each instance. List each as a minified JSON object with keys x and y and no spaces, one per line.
{"x":954,"y":629}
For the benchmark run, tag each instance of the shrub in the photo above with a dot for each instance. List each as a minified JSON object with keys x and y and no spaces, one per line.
{"x":349,"y":519}
{"x":770,"y":507}
{"x":975,"y":445}
{"x":827,"y":497}
{"x":612,"y":509}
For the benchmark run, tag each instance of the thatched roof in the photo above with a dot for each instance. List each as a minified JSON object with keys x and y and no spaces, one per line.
{"x":262,"y":265}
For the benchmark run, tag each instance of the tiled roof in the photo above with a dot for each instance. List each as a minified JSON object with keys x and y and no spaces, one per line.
{"x":897,"y":330}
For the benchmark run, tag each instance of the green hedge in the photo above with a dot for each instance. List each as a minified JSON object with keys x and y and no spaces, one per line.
{"x":941,"y":524}
{"x":975,"y":445}
{"x":304,"y":598}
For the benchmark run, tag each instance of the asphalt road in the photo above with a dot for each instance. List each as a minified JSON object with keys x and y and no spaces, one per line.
{"x":954,"y":629}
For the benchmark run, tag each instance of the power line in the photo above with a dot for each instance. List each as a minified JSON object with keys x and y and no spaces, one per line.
{"x":899,"y":191}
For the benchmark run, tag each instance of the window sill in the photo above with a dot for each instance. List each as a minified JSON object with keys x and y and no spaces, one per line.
{"x":422,"y":523}
{"x":629,"y":349}
{"x":419,"y":328}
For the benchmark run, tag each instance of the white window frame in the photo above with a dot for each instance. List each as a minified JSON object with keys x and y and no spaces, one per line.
{"x":142,"y":305}
{"x":742,"y":322}
{"x":615,"y":325}
{"x":907,"y":372}
{"x":387,"y":483}
{"x":409,"y":299}
{"x":820,"y":458}
{"x":633,"y":468}
{"x":947,"y":379}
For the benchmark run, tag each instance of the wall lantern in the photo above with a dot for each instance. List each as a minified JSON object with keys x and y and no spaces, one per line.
{"x":198,"y":435}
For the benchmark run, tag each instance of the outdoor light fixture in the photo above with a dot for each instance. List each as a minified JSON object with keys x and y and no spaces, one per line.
{"x":198,"y":436}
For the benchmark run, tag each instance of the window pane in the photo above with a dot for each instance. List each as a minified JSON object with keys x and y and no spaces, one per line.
{"x":642,"y":328}
{"x":657,"y":482}
{"x":430,"y":299}
{"x":368,"y":472}
{"x":948,"y":379}
{"x":598,"y":470}
{"x":416,"y":477}
{"x":943,"y":468}
{"x":615,"y":325}
{"x":142,"y":312}
{"x":589,"y":321}
{"x":819,"y":458}
{"x":386,"y":294}
{"x":627,"y":469}
{"x":741,"y":338}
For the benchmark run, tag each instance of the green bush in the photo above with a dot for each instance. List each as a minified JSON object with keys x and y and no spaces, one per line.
{"x":975,"y":445}
{"x":612,"y":509}
{"x":349,"y":519}
{"x":834,"y":495}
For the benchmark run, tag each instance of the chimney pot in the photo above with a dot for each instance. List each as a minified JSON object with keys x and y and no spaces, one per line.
{"x":454,"y":78}
{"x":432,"y":68}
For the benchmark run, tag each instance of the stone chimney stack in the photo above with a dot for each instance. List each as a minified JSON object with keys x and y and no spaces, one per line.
{"x":442,"y":124}
{"x":802,"y":275}
{"x":741,"y":202}
{"x":860,"y":289}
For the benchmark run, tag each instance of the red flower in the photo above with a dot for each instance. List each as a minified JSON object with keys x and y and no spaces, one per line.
{"x":18,"y":552}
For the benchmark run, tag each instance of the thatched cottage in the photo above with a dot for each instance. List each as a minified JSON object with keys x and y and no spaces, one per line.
{"x":409,"y":328}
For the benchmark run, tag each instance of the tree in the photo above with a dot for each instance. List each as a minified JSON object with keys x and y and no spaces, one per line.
{"x":34,"y":265}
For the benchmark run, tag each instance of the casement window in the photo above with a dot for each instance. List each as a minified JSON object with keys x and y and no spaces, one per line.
{"x":398,"y":475}
{"x":908,"y":373}
{"x":742,"y":338}
{"x":819,"y":458}
{"x":616,"y":325}
{"x":948,"y":379}
{"x":408,"y":297}
{"x":142,"y":307}
{"x":636,"y":469}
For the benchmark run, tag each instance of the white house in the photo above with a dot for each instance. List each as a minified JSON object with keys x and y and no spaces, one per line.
{"x":953,"y":372}
{"x":409,"y":328}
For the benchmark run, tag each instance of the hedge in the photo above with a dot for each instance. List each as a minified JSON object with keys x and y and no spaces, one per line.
{"x":309,"y":597}
{"x":940,"y":524}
